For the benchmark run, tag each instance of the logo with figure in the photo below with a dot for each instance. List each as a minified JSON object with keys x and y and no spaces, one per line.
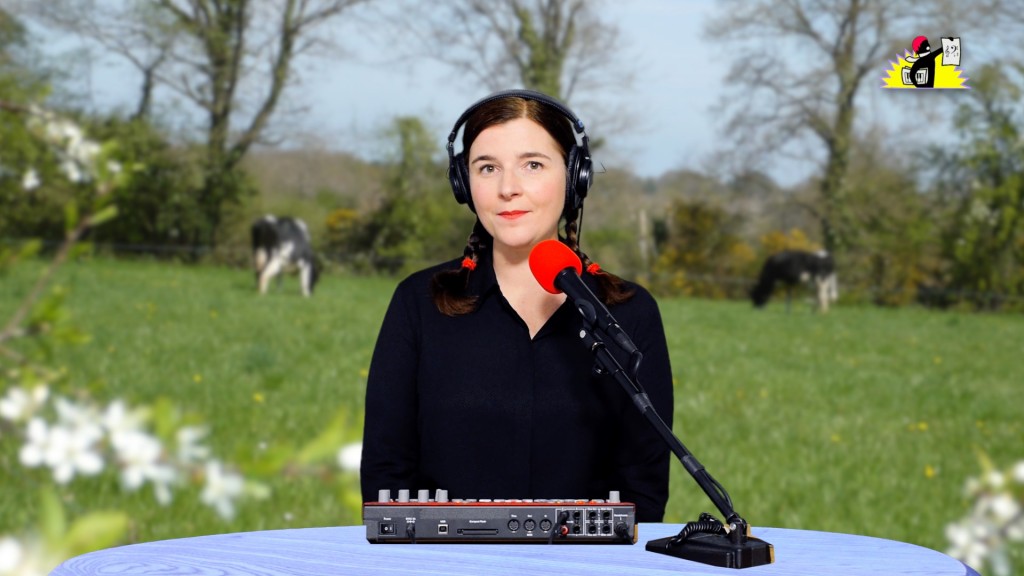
{"x":925,"y":67}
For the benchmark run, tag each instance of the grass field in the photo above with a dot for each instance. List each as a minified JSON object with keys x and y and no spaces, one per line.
{"x":864,"y":421}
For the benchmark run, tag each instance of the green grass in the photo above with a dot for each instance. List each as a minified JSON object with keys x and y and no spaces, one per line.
{"x":864,"y":421}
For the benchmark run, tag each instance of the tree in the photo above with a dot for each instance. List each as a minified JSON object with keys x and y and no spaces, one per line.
{"x":216,"y":54}
{"x":984,"y":184}
{"x":417,"y":220}
{"x":845,"y":42}
{"x":139,"y":32}
{"x":28,"y":209}
{"x":784,"y":102}
{"x":701,"y":253}
{"x":559,"y":47}
{"x":893,"y":254}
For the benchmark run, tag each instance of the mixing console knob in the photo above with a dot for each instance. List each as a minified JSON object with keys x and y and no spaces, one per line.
{"x":423,"y":496}
{"x":613,"y":497}
{"x":442,"y":495}
{"x":383,"y":495}
{"x":403,"y":495}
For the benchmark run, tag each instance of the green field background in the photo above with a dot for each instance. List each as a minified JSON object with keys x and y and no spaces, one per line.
{"x":865,"y":420}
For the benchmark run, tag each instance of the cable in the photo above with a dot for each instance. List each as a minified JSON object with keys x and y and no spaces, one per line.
{"x":706,"y":524}
{"x":563,"y":520}
{"x":634,"y":364}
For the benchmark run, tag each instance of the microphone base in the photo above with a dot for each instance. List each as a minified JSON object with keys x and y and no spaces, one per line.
{"x":717,"y":550}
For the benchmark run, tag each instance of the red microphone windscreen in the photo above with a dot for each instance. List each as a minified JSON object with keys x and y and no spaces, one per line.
{"x":549,"y":258}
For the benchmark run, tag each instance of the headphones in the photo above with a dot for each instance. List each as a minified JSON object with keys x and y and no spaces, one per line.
{"x":579,"y":167}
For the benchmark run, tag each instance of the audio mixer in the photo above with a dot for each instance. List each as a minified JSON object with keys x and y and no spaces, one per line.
{"x":530,"y":521}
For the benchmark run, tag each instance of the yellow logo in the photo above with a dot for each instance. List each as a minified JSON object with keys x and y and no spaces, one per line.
{"x":924,"y":67}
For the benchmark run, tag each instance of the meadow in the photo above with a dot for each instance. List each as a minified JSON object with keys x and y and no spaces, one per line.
{"x":865,"y":420}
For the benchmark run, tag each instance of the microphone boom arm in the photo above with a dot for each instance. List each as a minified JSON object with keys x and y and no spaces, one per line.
{"x":736,"y":549}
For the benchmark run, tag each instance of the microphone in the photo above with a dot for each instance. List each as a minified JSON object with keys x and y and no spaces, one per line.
{"x":557,"y":268}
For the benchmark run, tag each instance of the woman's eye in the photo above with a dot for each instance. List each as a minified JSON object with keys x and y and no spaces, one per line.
{"x":534,"y":165}
{"x":487,"y":169}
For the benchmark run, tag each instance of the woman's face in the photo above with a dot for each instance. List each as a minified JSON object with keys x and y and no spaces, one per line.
{"x":517,"y":180}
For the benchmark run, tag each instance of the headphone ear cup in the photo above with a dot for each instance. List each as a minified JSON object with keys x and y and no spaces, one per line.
{"x":578,"y":178}
{"x":458,"y":177}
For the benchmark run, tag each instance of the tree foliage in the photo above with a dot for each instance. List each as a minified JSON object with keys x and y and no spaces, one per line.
{"x":416,"y":221}
{"x":20,"y":86}
{"x":160,"y":210}
{"x":700,"y":252}
{"x":984,"y":183}
{"x":894,"y":245}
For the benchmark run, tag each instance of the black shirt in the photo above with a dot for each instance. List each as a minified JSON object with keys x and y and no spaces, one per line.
{"x":473,"y":405}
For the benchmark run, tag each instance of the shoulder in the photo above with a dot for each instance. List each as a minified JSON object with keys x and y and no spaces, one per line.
{"x":419,"y":281}
{"x":641,"y":297}
{"x":414,"y":293}
{"x":640,"y":294}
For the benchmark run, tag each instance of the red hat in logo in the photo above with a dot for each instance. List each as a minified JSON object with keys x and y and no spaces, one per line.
{"x":917,"y":43}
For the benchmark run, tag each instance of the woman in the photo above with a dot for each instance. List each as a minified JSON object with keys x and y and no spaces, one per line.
{"x":479,"y":384}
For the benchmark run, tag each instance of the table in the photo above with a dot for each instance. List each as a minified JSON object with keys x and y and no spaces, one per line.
{"x":344,"y":550}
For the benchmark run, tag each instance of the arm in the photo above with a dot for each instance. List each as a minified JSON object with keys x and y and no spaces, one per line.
{"x":390,"y":437}
{"x":643,"y":457}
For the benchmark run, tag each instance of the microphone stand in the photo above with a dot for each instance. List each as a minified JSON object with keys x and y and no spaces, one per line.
{"x":707,"y":541}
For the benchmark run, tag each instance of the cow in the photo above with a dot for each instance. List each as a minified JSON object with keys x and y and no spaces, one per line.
{"x":282,"y":244}
{"x":793,"y":267}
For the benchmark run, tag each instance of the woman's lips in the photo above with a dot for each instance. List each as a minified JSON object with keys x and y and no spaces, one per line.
{"x":512,"y":214}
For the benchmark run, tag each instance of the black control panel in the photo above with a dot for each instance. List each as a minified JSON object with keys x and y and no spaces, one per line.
{"x":433,"y":520}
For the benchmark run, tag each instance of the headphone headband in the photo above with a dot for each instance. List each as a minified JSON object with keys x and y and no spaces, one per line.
{"x":578,"y":163}
{"x":577,"y":124}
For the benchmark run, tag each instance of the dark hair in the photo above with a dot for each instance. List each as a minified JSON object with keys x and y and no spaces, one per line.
{"x":449,"y":286}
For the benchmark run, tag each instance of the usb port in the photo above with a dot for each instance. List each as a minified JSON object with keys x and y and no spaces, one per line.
{"x":442,"y":528}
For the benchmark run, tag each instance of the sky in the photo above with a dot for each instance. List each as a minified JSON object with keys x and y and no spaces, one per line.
{"x":674,"y":101}
{"x":348,"y":102}
{"x":675,"y":85}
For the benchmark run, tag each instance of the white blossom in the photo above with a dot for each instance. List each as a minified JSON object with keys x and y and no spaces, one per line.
{"x":71,"y":171}
{"x":997,"y":518}
{"x":62,"y":131}
{"x":30,"y":180}
{"x":221,"y":489}
{"x":1018,"y":472}
{"x":33,"y":452}
{"x":1015,"y":531}
{"x":83,"y":438}
{"x":28,"y":558}
{"x":122,"y":423}
{"x":69,"y":447}
{"x":350,"y":456}
{"x":139,"y":454}
{"x":83,"y":418}
{"x":1003,"y":508}
{"x":972,"y":487}
{"x":19,"y":405}
{"x":190,"y":451}
{"x":78,"y":154}
{"x":995,"y":480}
{"x":10,"y":554}
{"x":83,"y":152}
{"x":966,"y":546}
{"x":65,"y":449}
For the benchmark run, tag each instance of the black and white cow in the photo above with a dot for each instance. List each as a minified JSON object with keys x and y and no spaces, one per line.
{"x":283,"y":244}
{"x":793,"y":267}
